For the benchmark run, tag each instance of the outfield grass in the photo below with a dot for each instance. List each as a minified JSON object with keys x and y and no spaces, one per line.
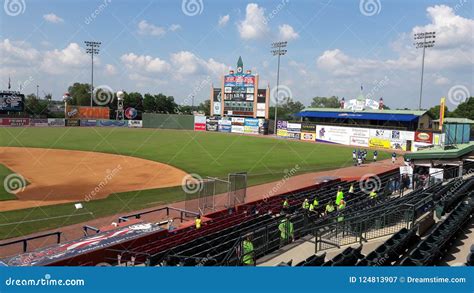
{"x":5,"y":195}
{"x":204,"y":153}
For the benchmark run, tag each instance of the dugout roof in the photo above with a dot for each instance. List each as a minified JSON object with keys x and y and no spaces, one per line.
{"x":387,"y":115}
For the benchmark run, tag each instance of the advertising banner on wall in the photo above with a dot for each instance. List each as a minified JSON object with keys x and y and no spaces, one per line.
{"x":39,"y":122}
{"x":200,"y":123}
{"x":15,"y":122}
{"x":238,"y":121}
{"x":282,"y":132}
{"x":56,"y":122}
{"x":73,"y":122}
{"x":112,"y":123}
{"x":359,"y":141}
{"x":282,"y":124}
{"x":377,"y":142}
{"x":380,"y":133}
{"x":423,"y":136}
{"x":237,"y":129}
{"x":294,"y":130}
{"x":82,"y":112}
{"x":333,"y":134}
{"x":88,"y":123}
{"x":135,"y":123}
{"x":225,"y":124}
{"x":212,"y":123}
{"x":308,"y":132}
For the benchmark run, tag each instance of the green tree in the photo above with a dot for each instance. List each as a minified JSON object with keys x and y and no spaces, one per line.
{"x":465,"y":109}
{"x":434,"y":111}
{"x":205,"y":107}
{"x":287,"y":110}
{"x":324,"y":102}
{"x":149,"y":104}
{"x":80,"y":94}
{"x":36,"y":107}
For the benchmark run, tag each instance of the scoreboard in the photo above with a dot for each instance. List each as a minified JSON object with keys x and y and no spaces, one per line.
{"x":11,"y":101}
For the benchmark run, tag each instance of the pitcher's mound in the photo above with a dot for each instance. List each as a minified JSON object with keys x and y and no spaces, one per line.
{"x":56,"y":175}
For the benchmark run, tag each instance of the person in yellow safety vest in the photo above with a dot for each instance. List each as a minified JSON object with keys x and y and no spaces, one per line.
{"x":351,"y":189}
{"x":248,"y":253}
{"x":315,"y":202}
{"x":329,"y":208}
{"x":373,"y":194}
{"x":305,"y":204}
{"x":340,"y":207}
{"x":198,"y":222}
{"x":339,"y":195}
{"x":311,"y":207}
{"x":286,"y":204}
{"x":286,"y":231}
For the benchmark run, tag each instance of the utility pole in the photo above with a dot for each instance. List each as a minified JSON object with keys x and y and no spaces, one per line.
{"x":92,"y":48}
{"x":277,"y":50}
{"x":423,"y":40}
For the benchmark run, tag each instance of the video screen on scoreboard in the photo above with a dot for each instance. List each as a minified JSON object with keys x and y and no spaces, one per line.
{"x":12,"y":102}
{"x":239,"y":87}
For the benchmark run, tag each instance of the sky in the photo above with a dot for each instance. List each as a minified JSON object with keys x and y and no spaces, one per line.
{"x":182,"y":47}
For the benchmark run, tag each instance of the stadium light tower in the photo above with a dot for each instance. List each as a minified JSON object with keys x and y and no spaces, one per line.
{"x":278,"y":50}
{"x":92,"y":48}
{"x":424,"y":40}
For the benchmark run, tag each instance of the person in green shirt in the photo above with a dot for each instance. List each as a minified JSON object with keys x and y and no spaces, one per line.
{"x":248,"y":252}
{"x":339,"y":195}
{"x":286,"y":231}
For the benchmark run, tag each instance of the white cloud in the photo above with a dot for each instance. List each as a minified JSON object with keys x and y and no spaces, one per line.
{"x":61,"y":61}
{"x":223,"y":20}
{"x":174,"y":27}
{"x":145,"y":28}
{"x":110,"y":69}
{"x":253,"y":26}
{"x":19,"y":53}
{"x":142,"y":63}
{"x":53,"y":18}
{"x":287,"y":32}
{"x":187,"y":63}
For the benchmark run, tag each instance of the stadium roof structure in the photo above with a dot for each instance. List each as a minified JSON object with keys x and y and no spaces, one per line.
{"x":454,"y":120}
{"x":389,"y":115}
{"x":438,"y":152}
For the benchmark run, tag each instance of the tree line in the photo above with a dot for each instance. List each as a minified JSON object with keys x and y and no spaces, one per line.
{"x":161,"y":103}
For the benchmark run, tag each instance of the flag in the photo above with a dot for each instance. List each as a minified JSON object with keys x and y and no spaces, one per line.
{"x":361,"y":88}
{"x":9,"y":83}
{"x":441,"y":112}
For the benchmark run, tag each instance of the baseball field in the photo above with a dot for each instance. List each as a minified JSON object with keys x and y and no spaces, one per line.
{"x":145,"y":166}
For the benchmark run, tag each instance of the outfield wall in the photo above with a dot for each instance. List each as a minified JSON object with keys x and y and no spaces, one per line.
{"x":359,"y":137}
{"x":60,"y":122}
{"x":168,"y":121}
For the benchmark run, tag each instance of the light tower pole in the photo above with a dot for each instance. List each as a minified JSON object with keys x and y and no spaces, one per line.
{"x":423,"y":40}
{"x":92,"y":48}
{"x":277,"y":50}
